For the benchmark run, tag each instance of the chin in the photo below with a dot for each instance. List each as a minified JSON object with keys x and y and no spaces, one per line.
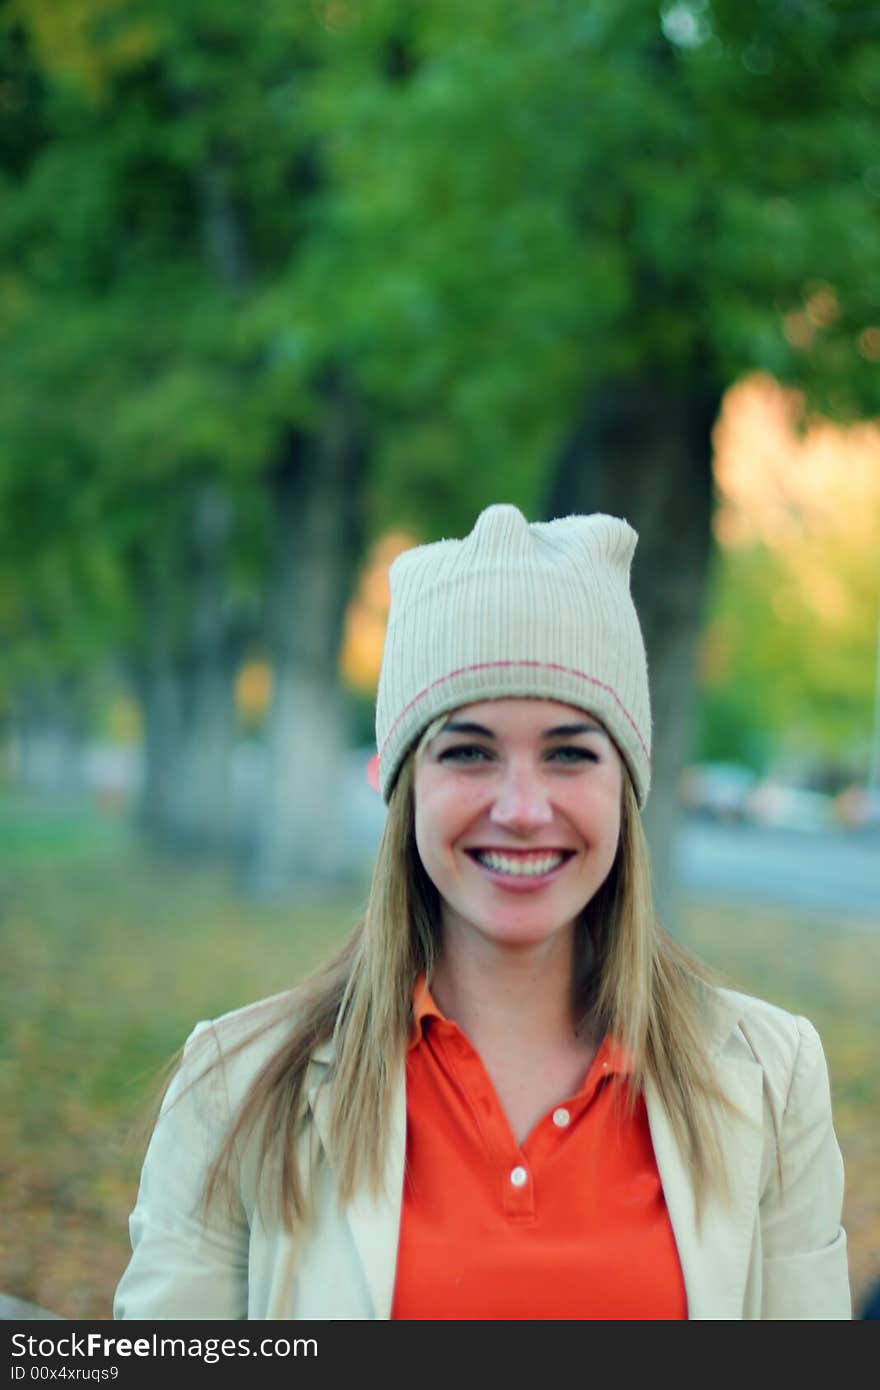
{"x":518,"y":934}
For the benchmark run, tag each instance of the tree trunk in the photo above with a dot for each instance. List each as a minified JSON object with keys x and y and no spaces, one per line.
{"x":200,"y":811}
{"x":185,"y":676}
{"x":48,"y":738}
{"x":158,"y":687}
{"x":316,"y":488}
{"x":643,"y":452}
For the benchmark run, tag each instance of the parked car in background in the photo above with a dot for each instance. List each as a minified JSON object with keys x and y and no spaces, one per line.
{"x":733,"y":794}
{"x":858,"y":808}
{"x":717,"y":791}
{"x":784,"y":807}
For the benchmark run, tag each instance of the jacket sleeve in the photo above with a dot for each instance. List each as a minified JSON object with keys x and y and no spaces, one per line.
{"x":805,"y":1271}
{"x":186,"y":1264}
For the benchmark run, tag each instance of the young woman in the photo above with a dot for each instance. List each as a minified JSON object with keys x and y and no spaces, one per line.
{"x":510,"y":1095}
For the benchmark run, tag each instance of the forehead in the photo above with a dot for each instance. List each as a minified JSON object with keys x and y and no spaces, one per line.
{"x":522,"y":715}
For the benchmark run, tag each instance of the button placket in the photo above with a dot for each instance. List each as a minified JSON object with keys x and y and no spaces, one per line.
{"x":518,"y":1191}
{"x":466,"y":1066}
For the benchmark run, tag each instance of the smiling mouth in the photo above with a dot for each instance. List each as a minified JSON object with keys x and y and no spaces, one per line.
{"x":531,"y":864}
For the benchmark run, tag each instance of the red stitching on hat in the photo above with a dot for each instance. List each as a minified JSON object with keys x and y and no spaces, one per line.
{"x":548,"y":665}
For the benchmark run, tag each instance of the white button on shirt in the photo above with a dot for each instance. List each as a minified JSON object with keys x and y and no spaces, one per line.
{"x":561,"y":1117}
{"x":519,"y":1177}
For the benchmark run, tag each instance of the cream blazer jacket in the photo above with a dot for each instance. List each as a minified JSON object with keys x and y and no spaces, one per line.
{"x":774,"y":1250}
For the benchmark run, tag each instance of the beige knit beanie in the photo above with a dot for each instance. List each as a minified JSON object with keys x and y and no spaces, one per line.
{"x":516,"y":609}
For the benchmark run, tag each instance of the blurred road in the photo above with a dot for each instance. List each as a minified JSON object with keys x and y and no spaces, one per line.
{"x":823,"y":870}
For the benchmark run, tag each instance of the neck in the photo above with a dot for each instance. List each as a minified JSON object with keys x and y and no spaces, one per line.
{"x":520,"y":998}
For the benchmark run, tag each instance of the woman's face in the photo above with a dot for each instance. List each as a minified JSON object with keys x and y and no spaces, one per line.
{"x":517,"y":817}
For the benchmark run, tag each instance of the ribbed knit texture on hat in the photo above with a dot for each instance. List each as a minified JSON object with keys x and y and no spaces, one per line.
{"x":514,"y":610}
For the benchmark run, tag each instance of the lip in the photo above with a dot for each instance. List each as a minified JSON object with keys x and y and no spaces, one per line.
{"x":520,"y":883}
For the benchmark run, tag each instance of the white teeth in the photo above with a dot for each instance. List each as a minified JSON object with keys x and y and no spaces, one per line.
{"x":527,"y":867}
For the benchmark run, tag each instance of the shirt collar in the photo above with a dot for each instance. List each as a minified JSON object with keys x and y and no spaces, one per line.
{"x":424,"y":1007}
{"x":616,"y":1055}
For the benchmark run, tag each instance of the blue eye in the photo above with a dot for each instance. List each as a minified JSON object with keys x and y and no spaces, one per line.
{"x":571,"y":754}
{"x":464,"y":753}
{"x":474,"y":753}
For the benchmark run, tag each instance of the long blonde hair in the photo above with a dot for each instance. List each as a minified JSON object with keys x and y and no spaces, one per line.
{"x":631,"y":979}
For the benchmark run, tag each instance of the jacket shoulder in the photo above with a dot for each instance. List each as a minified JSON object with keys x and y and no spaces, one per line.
{"x":784,"y":1045}
{"x":742,"y":1022}
{"x":238,"y":1044}
{"x":252,"y":1021}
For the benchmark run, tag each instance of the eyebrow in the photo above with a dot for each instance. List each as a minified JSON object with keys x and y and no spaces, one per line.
{"x":559,"y":731}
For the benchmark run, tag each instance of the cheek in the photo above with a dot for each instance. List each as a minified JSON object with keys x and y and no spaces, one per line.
{"x":442,"y":815}
{"x":603,"y":820}
{"x":612,"y":795}
{"x":614,"y":834}
{"x":423,"y":844}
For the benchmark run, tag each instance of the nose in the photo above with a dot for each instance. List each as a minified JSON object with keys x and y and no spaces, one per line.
{"x":521,"y":803}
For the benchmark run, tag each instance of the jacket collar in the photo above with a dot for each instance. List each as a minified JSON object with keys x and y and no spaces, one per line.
{"x":715,"y":1250}
{"x":725,"y":1012}
{"x":373,"y":1218}
{"x":324,"y":1053}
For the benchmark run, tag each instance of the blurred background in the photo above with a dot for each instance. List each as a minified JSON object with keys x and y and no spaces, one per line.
{"x":287,"y":288}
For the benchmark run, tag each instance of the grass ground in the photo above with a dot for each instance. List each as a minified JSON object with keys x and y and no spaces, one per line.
{"x":110,"y":958}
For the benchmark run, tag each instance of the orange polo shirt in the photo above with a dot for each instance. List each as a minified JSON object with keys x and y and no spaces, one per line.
{"x":570,"y":1225}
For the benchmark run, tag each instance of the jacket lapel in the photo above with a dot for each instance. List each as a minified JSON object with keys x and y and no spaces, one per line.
{"x":373,"y":1218}
{"x":716,"y":1251}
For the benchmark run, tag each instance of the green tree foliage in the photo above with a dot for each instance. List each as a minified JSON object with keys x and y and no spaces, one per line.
{"x":549,"y":197}
{"x":790,"y":652}
{"x":474,"y":215}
